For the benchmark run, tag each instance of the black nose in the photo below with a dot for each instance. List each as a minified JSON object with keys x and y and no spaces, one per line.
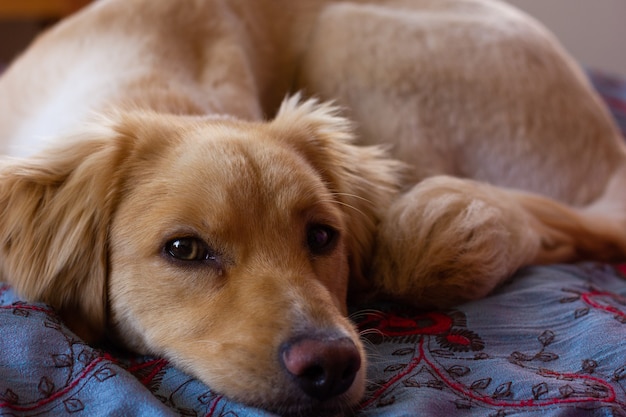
{"x":323,"y":367}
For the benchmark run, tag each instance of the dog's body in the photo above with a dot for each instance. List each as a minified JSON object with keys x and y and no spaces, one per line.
{"x":189,"y":227}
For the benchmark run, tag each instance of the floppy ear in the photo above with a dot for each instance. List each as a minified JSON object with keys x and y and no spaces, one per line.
{"x":55,"y":210}
{"x":362,"y":179}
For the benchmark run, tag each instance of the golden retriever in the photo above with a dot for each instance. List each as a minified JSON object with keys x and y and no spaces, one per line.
{"x":183,"y":207}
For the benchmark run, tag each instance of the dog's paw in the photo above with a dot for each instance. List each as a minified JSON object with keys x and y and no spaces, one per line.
{"x":450,"y":240}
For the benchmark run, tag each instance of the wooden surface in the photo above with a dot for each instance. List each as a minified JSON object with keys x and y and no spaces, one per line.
{"x":38,"y":9}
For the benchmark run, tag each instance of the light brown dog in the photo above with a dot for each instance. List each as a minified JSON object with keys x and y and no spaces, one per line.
{"x":168,"y":212}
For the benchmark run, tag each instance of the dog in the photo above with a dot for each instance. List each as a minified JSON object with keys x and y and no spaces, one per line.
{"x":170,"y":185}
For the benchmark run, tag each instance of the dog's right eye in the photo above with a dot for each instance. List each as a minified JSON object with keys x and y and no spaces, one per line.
{"x":190,"y":249}
{"x":321,"y":238}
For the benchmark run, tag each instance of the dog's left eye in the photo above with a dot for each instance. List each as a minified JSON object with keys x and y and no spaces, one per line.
{"x":321,"y":238}
{"x":190,"y":249}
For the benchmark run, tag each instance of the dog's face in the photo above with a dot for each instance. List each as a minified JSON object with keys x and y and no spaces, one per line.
{"x":225,"y":246}
{"x":225,"y":249}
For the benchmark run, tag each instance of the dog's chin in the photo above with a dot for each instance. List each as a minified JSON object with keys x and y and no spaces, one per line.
{"x":325,"y":410}
{"x":340,"y":406}
{"x":295,"y":403}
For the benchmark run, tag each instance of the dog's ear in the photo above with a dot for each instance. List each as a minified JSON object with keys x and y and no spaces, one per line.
{"x":362,"y":179}
{"x":55,"y":211}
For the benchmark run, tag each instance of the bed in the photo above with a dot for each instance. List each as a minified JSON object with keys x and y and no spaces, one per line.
{"x":551,"y":342}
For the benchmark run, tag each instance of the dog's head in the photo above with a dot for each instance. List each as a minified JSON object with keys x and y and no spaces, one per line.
{"x":226,"y":246}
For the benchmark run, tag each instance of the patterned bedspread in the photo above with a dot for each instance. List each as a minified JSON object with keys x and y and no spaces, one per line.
{"x":552,"y":342}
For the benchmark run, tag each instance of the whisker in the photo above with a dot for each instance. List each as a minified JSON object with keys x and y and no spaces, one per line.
{"x":345,"y":205}
{"x":361,"y":313}
{"x":373,"y":354}
{"x":354,"y":196}
{"x":368,"y":332}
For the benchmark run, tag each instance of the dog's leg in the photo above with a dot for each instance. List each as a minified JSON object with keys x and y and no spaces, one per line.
{"x":449,"y":240}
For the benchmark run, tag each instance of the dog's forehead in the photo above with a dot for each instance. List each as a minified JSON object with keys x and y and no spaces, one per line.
{"x":220,"y":173}
{"x":245,"y":165}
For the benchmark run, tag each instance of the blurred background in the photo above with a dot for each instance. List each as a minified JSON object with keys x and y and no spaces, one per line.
{"x":21,"y":20}
{"x":594,"y":31}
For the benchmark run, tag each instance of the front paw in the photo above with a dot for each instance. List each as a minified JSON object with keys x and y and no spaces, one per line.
{"x":450,"y":240}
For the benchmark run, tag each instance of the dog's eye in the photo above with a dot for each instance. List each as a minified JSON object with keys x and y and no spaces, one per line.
{"x":321,"y":238}
{"x":190,"y":249}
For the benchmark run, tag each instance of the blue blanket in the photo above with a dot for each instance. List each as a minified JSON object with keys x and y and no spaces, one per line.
{"x":552,"y":342}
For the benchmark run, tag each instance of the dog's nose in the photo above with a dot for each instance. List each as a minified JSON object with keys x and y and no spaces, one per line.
{"x":322,"y":367}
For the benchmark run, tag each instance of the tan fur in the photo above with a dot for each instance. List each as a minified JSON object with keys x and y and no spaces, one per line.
{"x":157,"y":117}
{"x":458,"y":239}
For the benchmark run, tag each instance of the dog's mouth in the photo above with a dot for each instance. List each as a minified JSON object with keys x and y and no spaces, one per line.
{"x":333,"y":408}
